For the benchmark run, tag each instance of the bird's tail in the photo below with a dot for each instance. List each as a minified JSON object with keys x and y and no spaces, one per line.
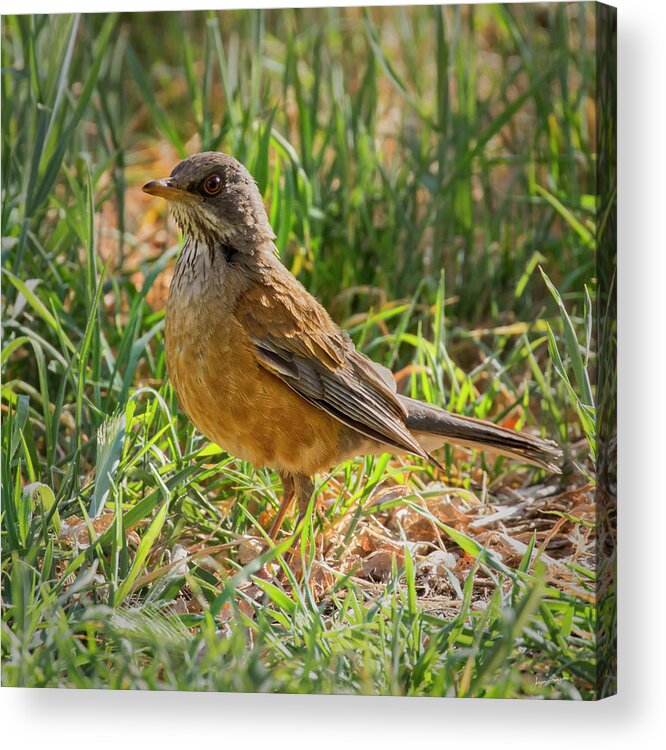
{"x":433,"y":427}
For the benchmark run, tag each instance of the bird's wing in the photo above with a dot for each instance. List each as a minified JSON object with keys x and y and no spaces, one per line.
{"x":296,"y":340}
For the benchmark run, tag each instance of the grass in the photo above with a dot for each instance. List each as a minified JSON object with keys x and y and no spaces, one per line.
{"x":420,"y":165}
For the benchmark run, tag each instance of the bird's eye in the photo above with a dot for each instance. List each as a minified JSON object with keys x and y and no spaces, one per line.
{"x":213,"y":184}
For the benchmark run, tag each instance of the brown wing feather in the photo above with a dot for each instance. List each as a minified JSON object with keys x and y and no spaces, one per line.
{"x":298,"y":342}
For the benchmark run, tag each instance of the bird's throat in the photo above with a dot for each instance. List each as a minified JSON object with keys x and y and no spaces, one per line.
{"x":196,"y":264}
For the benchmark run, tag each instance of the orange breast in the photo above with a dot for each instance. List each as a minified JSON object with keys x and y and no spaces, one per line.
{"x":239,"y":405}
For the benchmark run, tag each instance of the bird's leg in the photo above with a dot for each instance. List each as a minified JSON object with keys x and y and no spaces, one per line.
{"x":301,"y":486}
{"x":288,"y":491}
{"x":304,"y":487}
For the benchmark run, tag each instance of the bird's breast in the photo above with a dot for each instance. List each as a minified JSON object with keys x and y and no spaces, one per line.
{"x":228,"y":395}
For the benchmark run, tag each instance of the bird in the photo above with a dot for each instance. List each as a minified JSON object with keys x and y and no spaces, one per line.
{"x":260,"y":367}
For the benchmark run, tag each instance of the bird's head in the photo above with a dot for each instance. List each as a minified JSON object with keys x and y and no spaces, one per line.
{"x":215,"y":201}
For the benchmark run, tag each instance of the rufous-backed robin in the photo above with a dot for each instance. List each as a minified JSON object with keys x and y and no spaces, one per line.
{"x":262,"y":370}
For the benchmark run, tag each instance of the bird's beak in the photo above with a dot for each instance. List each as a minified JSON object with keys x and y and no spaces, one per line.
{"x":164,"y":189}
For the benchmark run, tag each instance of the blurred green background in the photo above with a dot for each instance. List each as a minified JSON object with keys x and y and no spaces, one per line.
{"x":391,"y":144}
